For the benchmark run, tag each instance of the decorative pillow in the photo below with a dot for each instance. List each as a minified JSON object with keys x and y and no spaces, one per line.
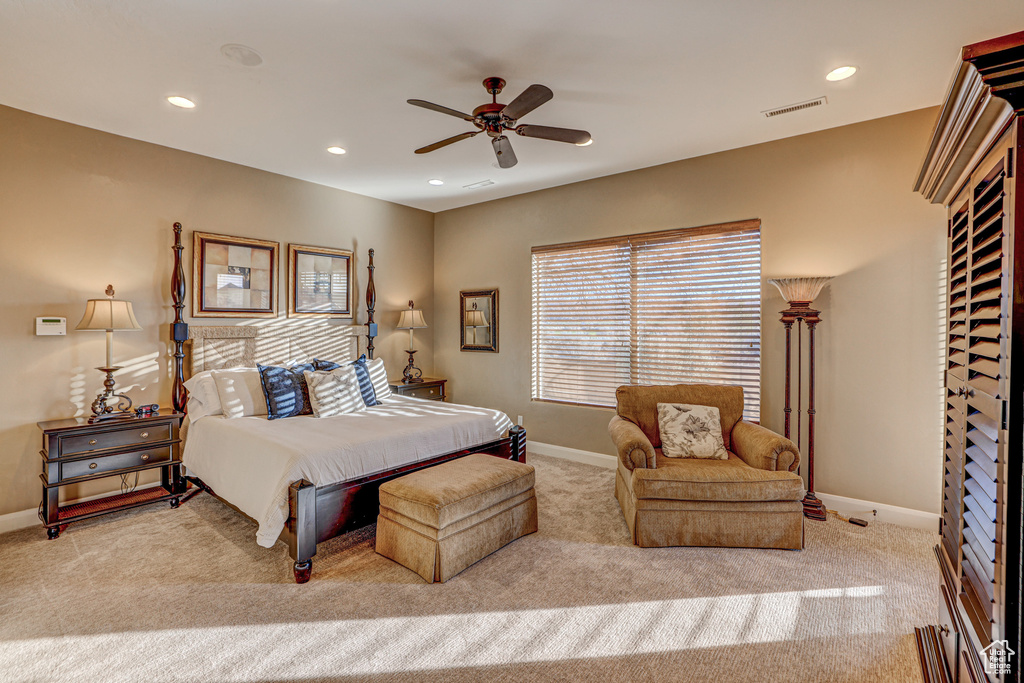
{"x":365,"y":385}
{"x":334,"y":392}
{"x":689,"y":431}
{"x":241,"y":392}
{"x":379,"y":378}
{"x":285,"y":390}
{"x":203,"y":399}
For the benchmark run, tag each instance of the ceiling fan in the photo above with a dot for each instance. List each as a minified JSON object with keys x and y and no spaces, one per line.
{"x":495,"y":118}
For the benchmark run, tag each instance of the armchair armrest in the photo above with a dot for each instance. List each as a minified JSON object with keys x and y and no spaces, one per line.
{"x":762,"y":448}
{"x":635,"y":449}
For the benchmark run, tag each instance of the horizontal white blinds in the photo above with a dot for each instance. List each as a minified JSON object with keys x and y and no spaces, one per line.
{"x":660,"y":308}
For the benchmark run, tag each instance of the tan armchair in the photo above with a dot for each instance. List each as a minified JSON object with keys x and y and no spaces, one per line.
{"x":751,"y":500}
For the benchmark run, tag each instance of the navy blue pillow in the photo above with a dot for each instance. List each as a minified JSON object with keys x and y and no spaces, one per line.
{"x":285,"y":390}
{"x":362,"y":374}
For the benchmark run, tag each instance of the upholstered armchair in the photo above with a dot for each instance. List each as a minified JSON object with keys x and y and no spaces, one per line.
{"x":750,"y":500}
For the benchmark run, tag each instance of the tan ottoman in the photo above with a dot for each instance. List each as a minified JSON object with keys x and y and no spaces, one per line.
{"x":440,"y":520}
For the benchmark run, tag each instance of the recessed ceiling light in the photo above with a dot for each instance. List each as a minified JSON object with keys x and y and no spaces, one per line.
{"x":435,"y":181}
{"x":841,"y":73}
{"x":336,"y":150}
{"x":588,"y":143}
{"x":182,"y":102}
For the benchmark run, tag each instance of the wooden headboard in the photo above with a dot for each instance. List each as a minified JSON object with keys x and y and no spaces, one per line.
{"x":211,"y":347}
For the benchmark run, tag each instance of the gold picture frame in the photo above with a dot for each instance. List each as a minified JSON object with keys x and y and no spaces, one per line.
{"x":233,"y":277}
{"x":478,"y":320}
{"x":319,"y":282}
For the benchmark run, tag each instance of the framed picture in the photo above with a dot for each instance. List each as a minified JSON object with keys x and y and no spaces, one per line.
{"x":319,"y":282}
{"x":479,"y":320}
{"x":233,"y":277}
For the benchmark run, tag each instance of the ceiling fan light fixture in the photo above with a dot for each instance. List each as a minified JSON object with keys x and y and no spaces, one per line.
{"x":336,"y":150}
{"x":182,"y":102}
{"x":841,"y":73}
{"x":436,"y":182}
{"x":588,"y":143}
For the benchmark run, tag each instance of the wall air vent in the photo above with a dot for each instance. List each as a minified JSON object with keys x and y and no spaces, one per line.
{"x":478,"y":185}
{"x":769,"y":113}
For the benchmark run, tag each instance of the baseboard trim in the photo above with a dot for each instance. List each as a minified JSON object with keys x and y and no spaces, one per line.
{"x":575,"y":454}
{"x":865,"y":509}
{"x":24,"y":519}
{"x":870,"y":511}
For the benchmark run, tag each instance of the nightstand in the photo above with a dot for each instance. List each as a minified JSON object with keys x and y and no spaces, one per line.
{"x":431,"y":388}
{"x":75,"y":451}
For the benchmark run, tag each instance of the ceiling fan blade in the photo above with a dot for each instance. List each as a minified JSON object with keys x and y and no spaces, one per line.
{"x":447,"y":141}
{"x":528,"y":100}
{"x":443,"y":110}
{"x":576,"y":137}
{"x":503,"y":150}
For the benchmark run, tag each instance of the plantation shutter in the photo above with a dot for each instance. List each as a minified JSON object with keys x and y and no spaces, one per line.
{"x":656,"y":308}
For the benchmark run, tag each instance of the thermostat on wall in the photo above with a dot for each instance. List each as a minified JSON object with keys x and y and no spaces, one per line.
{"x":51,"y":326}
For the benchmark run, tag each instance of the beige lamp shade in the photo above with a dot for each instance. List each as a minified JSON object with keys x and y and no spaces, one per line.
{"x":411,"y":319}
{"x":108,"y":314}
{"x":475,"y":318}
{"x":802,"y":289}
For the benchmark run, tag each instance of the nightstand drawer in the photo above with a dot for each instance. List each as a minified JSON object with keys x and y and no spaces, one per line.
{"x":432,"y":392}
{"x":127,"y":436}
{"x":91,"y":467}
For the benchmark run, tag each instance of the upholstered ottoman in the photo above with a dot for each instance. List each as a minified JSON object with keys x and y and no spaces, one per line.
{"x":440,"y":520}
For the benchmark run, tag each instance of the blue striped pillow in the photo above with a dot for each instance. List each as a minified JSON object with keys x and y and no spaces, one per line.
{"x":365,"y":384}
{"x":285,"y":390}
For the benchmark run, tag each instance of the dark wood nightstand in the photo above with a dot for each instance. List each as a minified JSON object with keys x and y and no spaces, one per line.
{"x":75,"y":451}
{"x":431,"y":388}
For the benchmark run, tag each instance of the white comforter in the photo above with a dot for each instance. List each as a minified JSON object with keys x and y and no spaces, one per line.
{"x":251,"y":461}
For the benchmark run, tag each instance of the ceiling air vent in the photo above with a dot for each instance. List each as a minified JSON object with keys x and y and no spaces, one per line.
{"x":794,"y":107}
{"x":477,"y":185}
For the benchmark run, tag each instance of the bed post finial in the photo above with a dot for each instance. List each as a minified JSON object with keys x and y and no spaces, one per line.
{"x":371,"y":302}
{"x":179,"y":328}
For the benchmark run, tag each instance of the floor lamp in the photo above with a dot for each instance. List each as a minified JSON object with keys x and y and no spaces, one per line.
{"x":800,"y":292}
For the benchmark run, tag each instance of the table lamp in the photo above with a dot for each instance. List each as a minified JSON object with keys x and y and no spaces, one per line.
{"x":108,"y":315}
{"x":411,"y":319}
{"x":475,"y":318}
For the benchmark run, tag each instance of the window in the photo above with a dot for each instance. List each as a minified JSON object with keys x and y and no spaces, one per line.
{"x":656,"y":308}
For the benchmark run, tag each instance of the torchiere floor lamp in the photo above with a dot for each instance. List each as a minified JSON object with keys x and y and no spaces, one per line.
{"x":800,"y":292}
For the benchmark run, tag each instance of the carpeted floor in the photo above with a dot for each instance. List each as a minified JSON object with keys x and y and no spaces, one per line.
{"x":157,"y":594}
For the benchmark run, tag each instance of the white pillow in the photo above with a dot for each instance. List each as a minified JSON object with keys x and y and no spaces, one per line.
{"x":689,"y":431}
{"x":203,"y":399}
{"x":241,"y":392}
{"x":334,"y":392}
{"x":379,"y":378}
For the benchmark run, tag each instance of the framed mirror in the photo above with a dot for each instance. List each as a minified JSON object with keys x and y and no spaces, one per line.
{"x":479,"y":320}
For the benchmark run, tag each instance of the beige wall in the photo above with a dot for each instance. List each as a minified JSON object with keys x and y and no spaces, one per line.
{"x":80,"y":209}
{"x":837,"y":202}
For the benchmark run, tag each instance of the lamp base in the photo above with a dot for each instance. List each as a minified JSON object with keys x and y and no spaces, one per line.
{"x":814,"y":508}
{"x":101,"y":410}
{"x":411,"y":374}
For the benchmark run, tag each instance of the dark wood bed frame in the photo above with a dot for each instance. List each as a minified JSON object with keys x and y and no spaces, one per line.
{"x":316,"y":514}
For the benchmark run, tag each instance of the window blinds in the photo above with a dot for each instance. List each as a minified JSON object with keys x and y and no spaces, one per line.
{"x":657,"y":308}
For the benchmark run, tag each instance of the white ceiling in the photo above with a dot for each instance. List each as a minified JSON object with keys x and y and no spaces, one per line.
{"x":653,"y":80}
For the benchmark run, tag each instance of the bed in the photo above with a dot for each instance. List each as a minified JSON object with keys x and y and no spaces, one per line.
{"x":299,"y":478}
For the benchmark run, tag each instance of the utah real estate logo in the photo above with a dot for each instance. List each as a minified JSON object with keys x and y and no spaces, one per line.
{"x":997,"y":657}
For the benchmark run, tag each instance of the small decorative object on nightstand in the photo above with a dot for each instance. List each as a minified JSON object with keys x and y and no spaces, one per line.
{"x":410,"y":320}
{"x":428,"y":387}
{"x":107,"y":315}
{"x":76,"y":451}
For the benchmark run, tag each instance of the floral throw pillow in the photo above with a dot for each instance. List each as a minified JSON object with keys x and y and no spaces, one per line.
{"x":691,"y":431}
